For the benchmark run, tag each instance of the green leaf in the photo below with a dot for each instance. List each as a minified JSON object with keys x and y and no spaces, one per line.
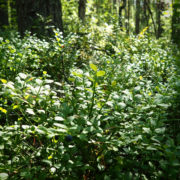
{"x":58,"y":84}
{"x":41,"y":111}
{"x":3,"y":176}
{"x":39,"y":81}
{"x":3,"y":81}
{"x":1,"y":146}
{"x":83,"y":137}
{"x":60,"y":125}
{"x":163,"y":105}
{"x":49,"y":81}
{"x":101,"y":73}
{"x":90,"y":78}
{"x":30,"y":111}
{"x":93,"y":67}
{"x":58,"y":118}
{"x":25,"y":126}
{"x":121,"y":105}
{"x":88,"y":89}
{"x":22,"y":75}
{"x":146,"y":130}
{"x":42,"y":130}
{"x":25,"y":174}
{"x":101,"y":167}
{"x":151,"y":148}
{"x":47,"y":162}
{"x":77,"y":74}
{"x":160,"y":130}
{"x":109,"y":103}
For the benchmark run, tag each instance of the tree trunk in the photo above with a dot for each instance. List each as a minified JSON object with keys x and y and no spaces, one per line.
{"x":176,"y":22}
{"x":121,"y":7}
{"x":151,"y":14}
{"x":82,"y":10}
{"x":97,"y":6}
{"x":128,"y":16}
{"x":145,"y":16}
{"x":137,"y":16}
{"x":159,"y":23}
{"x":3,"y":14}
{"x":9,"y":12}
{"x":39,"y":16}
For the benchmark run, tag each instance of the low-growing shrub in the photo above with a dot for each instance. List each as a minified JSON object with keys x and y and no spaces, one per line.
{"x":108,"y":119}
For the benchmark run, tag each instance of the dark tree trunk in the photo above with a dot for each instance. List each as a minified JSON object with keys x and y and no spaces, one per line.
{"x":159,"y":23}
{"x":97,"y":6}
{"x":39,"y":16}
{"x":120,"y":13}
{"x":137,"y":16}
{"x":3,"y":13}
{"x":151,"y":14}
{"x":82,"y":10}
{"x":176,"y":23}
{"x":145,"y":16}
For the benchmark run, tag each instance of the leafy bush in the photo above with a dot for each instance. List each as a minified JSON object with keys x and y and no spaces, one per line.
{"x":105,"y":119}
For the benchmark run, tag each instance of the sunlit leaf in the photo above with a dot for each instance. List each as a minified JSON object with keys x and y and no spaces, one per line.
{"x":3,"y":110}
{"x":15,"y":106}
{"x":30,"y":111}
{"x":50,"y":157}
{"x":3,"y":81}
{"x":60,"y":125}
{"x":3,"y":176}
{"x":22,"y":75}
{"x":90,"y":90}
{"x":58,"y":118}
{"x":1,"y":146}
{"x":140,"y":77}
{"x":101,"y":73}
{"x":39,"y":81}
{"x":113,"y":83}
{"x":90,"y":78}
{"x":149,"y":93}
{"x":93,"y":67}
{"x":77,"y":74}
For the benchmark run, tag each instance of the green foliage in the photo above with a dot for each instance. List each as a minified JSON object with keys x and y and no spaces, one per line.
{"x":71,"y":110}
{"x":34,"y":55}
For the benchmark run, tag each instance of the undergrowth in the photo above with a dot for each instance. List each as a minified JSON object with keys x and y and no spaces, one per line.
{"x":88,"y":107}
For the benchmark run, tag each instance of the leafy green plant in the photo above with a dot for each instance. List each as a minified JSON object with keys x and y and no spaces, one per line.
{"x":66,"y":115}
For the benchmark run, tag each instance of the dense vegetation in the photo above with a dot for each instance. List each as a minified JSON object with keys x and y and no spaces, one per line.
{"x":89,"y":104}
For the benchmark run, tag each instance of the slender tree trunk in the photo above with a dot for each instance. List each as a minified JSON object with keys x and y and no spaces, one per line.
{"x":176,"y":22}
{"x":82,"y":10}
{"x":128,"y":16}
{"x":98,"y":7}
{"x":151,"y":14}
{"x":39,"y":15}
{"x":159,"y":23}
{"x":145,"y":16}
{"x":9,"y":12}
{"x":137,"y":16}
{"x":3,"y":14}
{"x":121,"y":7}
